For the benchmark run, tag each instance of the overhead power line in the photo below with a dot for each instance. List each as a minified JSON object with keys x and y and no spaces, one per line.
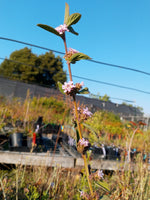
{"x":32,"y":45}
{"x":83,"y":78}
{"x":111,"y":84}
{"x":129,"y":101}
{"x":94,"y":61}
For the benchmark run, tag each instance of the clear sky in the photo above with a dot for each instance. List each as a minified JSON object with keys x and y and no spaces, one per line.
{"x":111,"y":31}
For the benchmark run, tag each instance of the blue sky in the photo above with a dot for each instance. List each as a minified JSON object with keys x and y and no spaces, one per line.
{"x":111,"y":31}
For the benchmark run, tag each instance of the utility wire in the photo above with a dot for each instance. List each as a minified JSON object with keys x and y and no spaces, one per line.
{"x":32,"y":45}
{"x":97,"y":97}
{"x":94,"y":61}
{"x":123,"y":99}
{"x":121,"y":67}
{"x":83,"y":78}
{"x":111,"y":84}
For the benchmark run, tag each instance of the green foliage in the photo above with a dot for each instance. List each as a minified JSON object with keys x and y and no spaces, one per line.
{"x":103,"y":185}
{"x":104,"y":197}
{"x":50,"y":102}
{"x":60,"y":87}
{"x":72,"y":30}
{"x":66,"y":13}
{"x":28,"y":67}
{"x":78,"y":56}
{"x":68,"y":20}
{"x":73,"y":19}
{"x":32,"y":193}
{"x":106,"y":122}
{"x":84,"y":91}
{"x":77,"y":136}
{"x":126,"y":104}
{"x":49,"y":28}
{"x":104,"y":98}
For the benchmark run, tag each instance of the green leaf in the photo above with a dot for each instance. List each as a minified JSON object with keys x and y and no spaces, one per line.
{"x":103,"y":185}
{"x":73,"y":19}
{"x":71,"y":30}
{"x":104,"y":197}
{"x":66,"y":13}
{"x":84,"y":91}
{"x":78,"y":56}
{"x":77,"y":135}
{"x":60,"y":87}
{"x":90,"y":128}
{"x":49,"y":28}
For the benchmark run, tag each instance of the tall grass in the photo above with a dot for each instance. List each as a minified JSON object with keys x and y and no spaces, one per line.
{"x":42,"y":183}
{"x":132,"y":183}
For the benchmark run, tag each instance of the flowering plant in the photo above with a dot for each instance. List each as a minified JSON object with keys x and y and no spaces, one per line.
{"x":71,"y":89}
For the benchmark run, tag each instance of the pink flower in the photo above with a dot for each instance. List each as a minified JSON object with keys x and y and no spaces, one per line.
{"x":61,"y":29}
{"x":100,"y":174}
{"x":69,"y":54}
{"x":82,"y":83}
{"x":67,"y":87}
{"x":71,"y":141}
{"x":86,"y":112}
{"x":73,"y":50}
{"x":84,"y":195}
{"x":84,"y":142}
{"x":70,"y":89}
{"x":79,"y":85}
{"x":81,"y":193}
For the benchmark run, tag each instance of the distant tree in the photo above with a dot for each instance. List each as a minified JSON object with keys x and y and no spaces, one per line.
{"x":126,"y":104}
{"x":104,"y":98}
{"x":28,"y":67}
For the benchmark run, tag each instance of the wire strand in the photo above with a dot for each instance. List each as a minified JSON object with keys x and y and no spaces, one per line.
{"x":112,"y":84}
{"x":83,"y":78}
{"x":94,"y":61}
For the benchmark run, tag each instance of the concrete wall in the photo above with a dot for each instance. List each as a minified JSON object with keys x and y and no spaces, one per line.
{"x":10,"y":88}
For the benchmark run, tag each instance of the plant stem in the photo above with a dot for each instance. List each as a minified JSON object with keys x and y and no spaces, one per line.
{"x":87,"y":173}
{"x":3,"y":189}
{"x":17,"y":183}
{"x":78,"y":124}
{"x":130,"y":143}
{"x":68,"y":63}
{"x":76,"y":112}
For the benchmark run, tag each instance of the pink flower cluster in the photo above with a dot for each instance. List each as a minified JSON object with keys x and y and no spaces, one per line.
{"x":73,"y":51}
{"x":69,"y":54}
{"x":67,"y":87}
{"x":83,"y":146}
{"x":70,"y":89}
{"x":83,"y":114}
{"x":86,"y":112}
{"x":61,"y":29}
{"x":100,"y":174}
{"x":83,"y":142}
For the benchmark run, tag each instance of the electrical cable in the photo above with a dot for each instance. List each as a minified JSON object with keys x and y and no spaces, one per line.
{"x":112,"y":84}
{"x":94,"y":61}
{"x":83,"y":78}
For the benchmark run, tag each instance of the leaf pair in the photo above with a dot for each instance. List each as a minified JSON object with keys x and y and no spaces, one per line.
{"x":68,"y":20}
{"x":71,"y":19}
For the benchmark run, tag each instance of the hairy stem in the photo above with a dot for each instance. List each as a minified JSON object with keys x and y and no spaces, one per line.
{"x":68,"y":63}
{"x":78,"y":124}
